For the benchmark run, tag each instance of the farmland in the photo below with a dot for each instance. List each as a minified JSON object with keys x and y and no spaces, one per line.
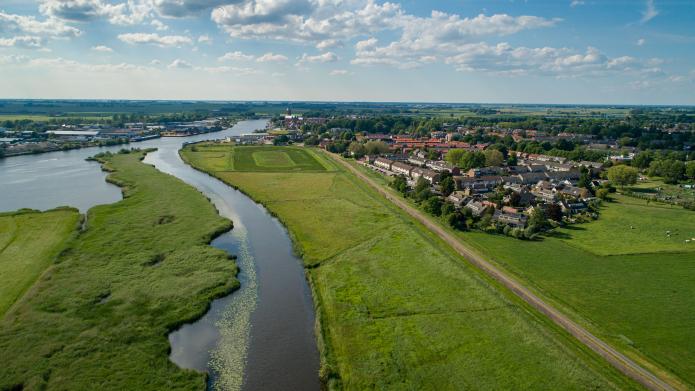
{"x":29,"y":242}
{"x":99,"y":318}
{"x":398,"y":307}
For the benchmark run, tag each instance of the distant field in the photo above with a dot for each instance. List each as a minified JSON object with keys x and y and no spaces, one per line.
{"x":398,"y":308}
{"x":631,"y":226}
{"x":29,"y":242}
{"x":99,"y":319}
{"x":45,"y":118}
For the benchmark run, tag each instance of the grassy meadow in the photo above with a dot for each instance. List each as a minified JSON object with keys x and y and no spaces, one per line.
{"x":29,"y":243}
{"x":632,"y":287}
{"x":397,"y":308}
{"x":99,"y":318}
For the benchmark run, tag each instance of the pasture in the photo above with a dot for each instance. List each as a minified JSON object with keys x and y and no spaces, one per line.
{"x":99,"y":318}
{"x":633,"y":226}
{"x":29,"y":243}
{"x":397,"y":307}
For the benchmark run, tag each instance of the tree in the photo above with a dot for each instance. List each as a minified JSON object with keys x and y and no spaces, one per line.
{"x":642,"y":160}
{"x":690,"y":169}
{"x":280,"y":140}
{"x":433,"y":206}
{"x":357,"y":149}
{"x":671,"y":170}
{"x":400,"y":184}
{"x":623,"y":175}
{"x":448,"y":185}
{"x":448,"y":208}
{"x":584,"y":178}
{"x":554,"y":212}
{"x":422,"y":189}
{"x":602,"y":194}
{"x":457,"y":220}
{"x":454,"y":156}
{"x":512,"y":161}
{"x":493,"y":157}
{"x":376,"y":148}
{"x":537,"y":221}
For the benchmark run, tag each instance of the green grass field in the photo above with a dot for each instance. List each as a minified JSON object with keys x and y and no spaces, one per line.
{"x":259,"y":158}
{"x":99,"y":318}
{"x":398,"y":308}
{"x":632,"y":226}
{"x":638,"y":302}
{"x":29,"y":242}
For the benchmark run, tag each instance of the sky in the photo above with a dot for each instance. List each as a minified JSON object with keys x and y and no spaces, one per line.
{"x":494,"y":51}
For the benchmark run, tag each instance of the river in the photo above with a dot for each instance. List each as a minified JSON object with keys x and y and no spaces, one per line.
{"x":261,"y":337}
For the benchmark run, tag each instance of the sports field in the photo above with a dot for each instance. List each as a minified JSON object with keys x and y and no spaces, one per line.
{"x":99,"y":319}
{"x":398,"y":308}
{"x":258,"y":158}
{"x":29,"y":243}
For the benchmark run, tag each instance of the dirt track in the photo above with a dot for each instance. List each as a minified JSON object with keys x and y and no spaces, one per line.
{"x":617,"y":359}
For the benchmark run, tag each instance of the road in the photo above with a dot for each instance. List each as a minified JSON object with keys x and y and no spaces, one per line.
{"x":614,"y":357}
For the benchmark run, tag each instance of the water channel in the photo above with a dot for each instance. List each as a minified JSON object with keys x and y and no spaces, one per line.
{"x":261,"y":337}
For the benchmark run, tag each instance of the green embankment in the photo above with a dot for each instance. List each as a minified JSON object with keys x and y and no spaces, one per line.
{"x":29,"y":242}
{"x":398,"y":309}
{"x":633,"y":287}
{"x":99,"y":318}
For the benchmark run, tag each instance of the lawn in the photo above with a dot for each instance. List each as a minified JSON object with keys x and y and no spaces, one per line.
{"x":274,"y":159}
{"x":399,"y":309}
{"x":29,"y":243}
{"x":99,"y":318}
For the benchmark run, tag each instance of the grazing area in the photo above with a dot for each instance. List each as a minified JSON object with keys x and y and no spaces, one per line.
{"x":99,"y":318}
{"x":635,"y":226}
{"x":29,"y":243}
{"x":397,"y":307}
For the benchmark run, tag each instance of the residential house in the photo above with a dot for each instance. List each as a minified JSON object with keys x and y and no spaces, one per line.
{"x":477,"y":208}
{"x":402,"y":168}
{"x":383,"y":163}
{"x":458,"y":198}
{"x":515,"y":220}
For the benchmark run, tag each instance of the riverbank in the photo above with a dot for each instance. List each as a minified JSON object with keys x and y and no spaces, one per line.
{"x":397,"y":307}
{"x":99,"y":317}
{"x":29,"y":242}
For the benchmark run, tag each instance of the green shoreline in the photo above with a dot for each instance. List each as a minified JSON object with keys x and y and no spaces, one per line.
{"x":140,"y":269}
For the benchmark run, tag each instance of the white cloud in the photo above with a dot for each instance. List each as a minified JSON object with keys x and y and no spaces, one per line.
{"x":205,"y":39}
{"x":307,"y":21}
{"x":232,"y":70}
{"x":339,"y":72}
{"x":641,"y":42}
{"x":24,"y":41}
{"x":125,"y":13}
{"x":186,"y":8}
{"x":158,"y":25}
{"x":650,"y":12}
{"x":30,"y":25}
{"x":102,"y":48}
{"x":155,"y":39}
{"x":13,"y":59}
{"x":329,"y":44}
{"x":180,"y":64}
{"x":155,"y":63}
{"x":75,"y":66}
{"x":236,"y":56}
{"x":322,"y":58}
{"x":270,"y":57}
{"x":576,"y":3}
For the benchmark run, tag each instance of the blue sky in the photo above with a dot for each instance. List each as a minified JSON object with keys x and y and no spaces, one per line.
{"x":533,"y":51}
